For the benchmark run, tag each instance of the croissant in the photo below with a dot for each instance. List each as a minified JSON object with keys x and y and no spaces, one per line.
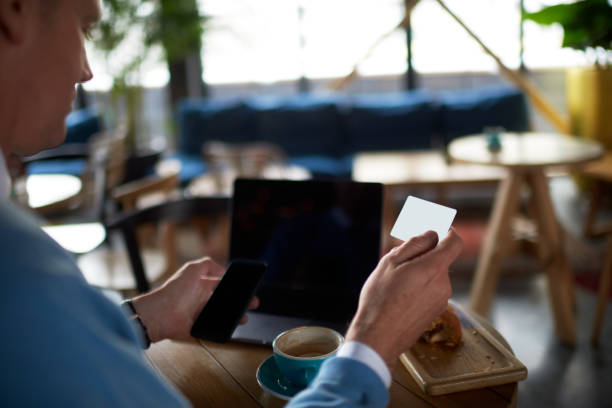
{"x":445,"y":329}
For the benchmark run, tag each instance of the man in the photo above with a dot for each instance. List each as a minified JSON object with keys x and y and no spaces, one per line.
{"x":65,"y":344}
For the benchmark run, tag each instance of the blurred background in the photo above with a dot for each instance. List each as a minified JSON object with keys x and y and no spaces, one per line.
{"x":243,"y":47}
{"x":189,"y":94}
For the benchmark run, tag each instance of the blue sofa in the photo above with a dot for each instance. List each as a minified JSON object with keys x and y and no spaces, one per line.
{"x":70,"y":157}
{"x":323,"y":133}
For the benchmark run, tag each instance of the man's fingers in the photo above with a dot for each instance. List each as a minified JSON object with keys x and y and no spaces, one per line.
{"x":205,"y":266}
{"x":210,"y":283}
{"x":254,"y":303}
{"x":212,"y":268}
{"x":414,"y":247}
{"x":448,"y":250}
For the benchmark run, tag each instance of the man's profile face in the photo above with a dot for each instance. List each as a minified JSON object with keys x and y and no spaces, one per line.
{"x":54,"y":62}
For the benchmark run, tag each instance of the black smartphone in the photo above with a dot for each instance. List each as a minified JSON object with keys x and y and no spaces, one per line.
{"x":229,"y":301}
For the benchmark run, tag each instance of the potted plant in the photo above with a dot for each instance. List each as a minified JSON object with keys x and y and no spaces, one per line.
{"x":587,"y":26}
{"x":170,"y":28}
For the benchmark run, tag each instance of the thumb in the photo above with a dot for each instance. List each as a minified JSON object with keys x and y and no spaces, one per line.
{"x":448,"y":250}
{"x":209,"y":268}
{"x":414,"y":247}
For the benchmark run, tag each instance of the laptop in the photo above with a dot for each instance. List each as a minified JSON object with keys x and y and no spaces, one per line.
{"x":320,"y":239}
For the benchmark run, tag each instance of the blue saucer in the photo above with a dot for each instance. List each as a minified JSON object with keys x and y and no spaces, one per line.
{"x":271,"y":380}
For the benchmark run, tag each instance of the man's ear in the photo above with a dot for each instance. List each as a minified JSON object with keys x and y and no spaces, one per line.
{"x":13,"y":18}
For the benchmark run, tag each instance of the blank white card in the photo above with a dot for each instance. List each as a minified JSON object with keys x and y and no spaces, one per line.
{"x":418,"y":216}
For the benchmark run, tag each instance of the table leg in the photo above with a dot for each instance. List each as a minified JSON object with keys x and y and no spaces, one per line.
{"x":604,"y":291}
{"x":590,"y":228}
{"x":487,"y":271}
{"x":559,"y":273}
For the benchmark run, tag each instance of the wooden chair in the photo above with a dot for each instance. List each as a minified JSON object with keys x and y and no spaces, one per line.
{"x":76,"y":222}
{"x":108,"y":266}
{"x":104,"y":169}
{"x":227,"y":161}
{"x":182,"y":210}
{"x":601,"y":173}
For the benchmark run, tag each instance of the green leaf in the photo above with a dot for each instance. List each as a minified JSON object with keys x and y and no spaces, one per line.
{"x":578,"y":39}
{"x":585,"y":23}
{"x":560,"y":13}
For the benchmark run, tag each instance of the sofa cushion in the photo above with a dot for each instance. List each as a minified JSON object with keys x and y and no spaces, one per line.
{"x":204,"y":121}
{"x":395,"y":121}
{"x":75,"y":167}
{"x":325,"y":166}
{"x":470,"y":111}
{"x":192,"y":166}
{"x":81,"y":124}
{"x":301,"y":125}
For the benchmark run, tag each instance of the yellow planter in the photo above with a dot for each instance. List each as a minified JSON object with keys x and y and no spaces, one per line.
{"x":589,"y":102}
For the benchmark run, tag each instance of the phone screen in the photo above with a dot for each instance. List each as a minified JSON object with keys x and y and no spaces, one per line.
{"x":229,"y":301}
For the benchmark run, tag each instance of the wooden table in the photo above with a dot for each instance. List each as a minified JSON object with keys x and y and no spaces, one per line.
{"x":223,"y":375}
{"x":526,"y":156}
{"x":222,"y":183}
{"x":402,"y":170}
{"x":420,"y":168}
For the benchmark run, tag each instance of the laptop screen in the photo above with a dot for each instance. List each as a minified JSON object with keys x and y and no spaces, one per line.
{"x":320,"y":239}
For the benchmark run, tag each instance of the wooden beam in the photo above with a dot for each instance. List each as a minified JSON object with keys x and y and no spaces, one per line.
{"x":538,"y":100}
{"x":342,"y":82}
{"x":540,"y":103}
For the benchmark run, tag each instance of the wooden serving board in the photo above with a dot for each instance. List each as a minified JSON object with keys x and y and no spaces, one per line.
{"x":479,"y":361}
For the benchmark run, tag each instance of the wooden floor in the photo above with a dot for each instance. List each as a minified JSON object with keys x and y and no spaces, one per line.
{"x":559,"y":376}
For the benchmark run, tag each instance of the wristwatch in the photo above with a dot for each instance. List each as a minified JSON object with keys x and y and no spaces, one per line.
{"x":128,"y":306}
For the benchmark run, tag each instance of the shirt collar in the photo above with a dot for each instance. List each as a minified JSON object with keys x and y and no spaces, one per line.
{"x":5,"y":180}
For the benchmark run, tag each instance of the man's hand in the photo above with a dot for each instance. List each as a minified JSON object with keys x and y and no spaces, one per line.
{"x":169,"y":311}
{"x":407,"y":290}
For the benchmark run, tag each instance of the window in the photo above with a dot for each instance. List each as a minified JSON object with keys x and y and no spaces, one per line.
{"x":440,"y":44}
{"x":271,"y":40}
{"x":543,"y":44}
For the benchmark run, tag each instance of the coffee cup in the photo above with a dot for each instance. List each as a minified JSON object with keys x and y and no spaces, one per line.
{"x":299,"y":352}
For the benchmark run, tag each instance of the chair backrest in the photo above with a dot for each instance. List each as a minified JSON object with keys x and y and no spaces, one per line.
{"x":179,"y":210}
{"x":227,"y":161}
{"x":105,"y":157}
{"x":129,"y":195}
{"x":105,"y":167}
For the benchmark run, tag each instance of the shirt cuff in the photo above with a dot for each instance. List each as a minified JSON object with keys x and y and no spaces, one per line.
{"x":366,"y":355}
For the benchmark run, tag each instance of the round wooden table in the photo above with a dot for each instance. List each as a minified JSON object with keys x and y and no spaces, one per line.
{"x":224,"y":375}
{"x":526,"y":157}
{"x":409,"y":170}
